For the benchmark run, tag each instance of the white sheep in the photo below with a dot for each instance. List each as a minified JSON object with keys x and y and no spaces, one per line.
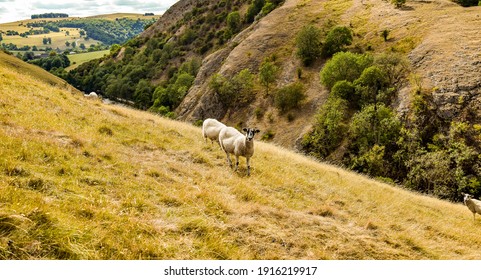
{"x":473,"y":204}
{"x":211,"y":129}
{"x":92,"y":95}
{"x":234,"y":142}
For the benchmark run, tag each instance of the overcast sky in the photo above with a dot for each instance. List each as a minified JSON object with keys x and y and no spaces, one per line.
{"x":13,"y":10}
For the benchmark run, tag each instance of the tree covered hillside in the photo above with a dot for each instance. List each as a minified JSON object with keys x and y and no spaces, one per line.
{"x":157,"y":72}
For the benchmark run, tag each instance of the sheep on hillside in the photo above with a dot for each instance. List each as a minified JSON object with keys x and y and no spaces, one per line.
{"x":473,"y":204}
{"x":234,"y":142}
{"x":92,"y":95}
{"x":211,"y":129}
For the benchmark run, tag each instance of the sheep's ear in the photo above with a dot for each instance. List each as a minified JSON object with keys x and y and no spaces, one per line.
{"x":257,"y":131}
{"x":244,"y":129}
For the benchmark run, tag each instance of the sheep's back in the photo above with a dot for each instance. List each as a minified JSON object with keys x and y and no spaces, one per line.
{"x":211,"y":128}
{"x":227,"y":138}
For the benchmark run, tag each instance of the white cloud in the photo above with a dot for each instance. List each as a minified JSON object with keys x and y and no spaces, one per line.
{"x":13,"y":10}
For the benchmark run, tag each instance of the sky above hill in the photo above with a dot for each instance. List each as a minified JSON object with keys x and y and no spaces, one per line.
{"x":13,"y":10}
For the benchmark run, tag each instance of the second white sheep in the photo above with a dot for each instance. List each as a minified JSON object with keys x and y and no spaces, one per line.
{"x":211,"y":129}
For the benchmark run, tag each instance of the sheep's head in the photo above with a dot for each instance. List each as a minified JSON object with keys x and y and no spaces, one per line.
{"x":250,"y":133}
{"x":467,"y":196}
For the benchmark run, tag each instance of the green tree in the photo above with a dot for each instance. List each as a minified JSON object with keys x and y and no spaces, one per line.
{"x":253,"y":10}
{"x":395,"y":65}
{"x":289,"y":96}
{"x":329,"y":130}
{"x":268,"y":7}
{"x":187,"y":37}
{"x":308,"y":44}
{"x":345,"y":90}
{"x":336,"y":40}
{"x":344,"y":66}
{"x":373,"y":126}
{"x":143,"y":94}
{"x":372,"y":82}
{"x":373,"y":134}
{"x":243,"y":85}
{"x":268,"y":74}
{"x":234,"y":21}
{"x":385,"y":34}
{"x":236,"y":91}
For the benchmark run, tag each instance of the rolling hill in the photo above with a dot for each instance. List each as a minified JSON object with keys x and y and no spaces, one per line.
{"x":100,"y":29}
{"x":80,"y":179}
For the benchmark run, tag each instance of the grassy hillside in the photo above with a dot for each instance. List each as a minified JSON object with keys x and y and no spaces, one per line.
{"x":79,"y":58}
{"x":8,"y":61}
{"x":84,"y":180}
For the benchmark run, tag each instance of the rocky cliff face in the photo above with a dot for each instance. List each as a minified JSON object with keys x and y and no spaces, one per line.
{"x":449,"y":60}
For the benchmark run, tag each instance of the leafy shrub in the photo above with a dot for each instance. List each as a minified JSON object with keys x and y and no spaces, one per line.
{"x":269,"y":135}
{"x":308,"y":43}
{"x":374,"y":124}
{"x":344,"y":66}
{"x":373,"y":133}
{"x":238,"y":90}
{"x":268,"y":74}
{"x":395,"y":65}
{"x":234,"y":21}
{"x":290,"y":96}
{"x":370,"y":85}
{"x":385,"y":34}
{"x":329,"y":130}
{"x":337,"y":38}
{"x":254,"y":8}
{"x":345,"y":90}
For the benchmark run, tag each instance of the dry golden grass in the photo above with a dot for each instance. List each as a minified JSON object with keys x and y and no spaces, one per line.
{"x":84,"y":180}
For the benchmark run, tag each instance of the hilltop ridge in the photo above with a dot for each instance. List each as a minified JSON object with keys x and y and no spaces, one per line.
{"x":83,"y":180}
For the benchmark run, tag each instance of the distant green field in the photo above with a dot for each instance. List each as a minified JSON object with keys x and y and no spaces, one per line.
{"x":58,"y":39}
{"x":77,"y":59}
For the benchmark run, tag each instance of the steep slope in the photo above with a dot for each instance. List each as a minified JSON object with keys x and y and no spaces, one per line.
{"x":271,"y":35}
{"x":8,"y":61}
{"x":83,"y":180}
{"x":439,"y":38}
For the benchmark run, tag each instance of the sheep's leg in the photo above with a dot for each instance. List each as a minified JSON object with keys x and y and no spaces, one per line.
{"x":236,"y":162}
{"x":248,"y":166}
{"x":228,"y":160}
{"x":474,"y":216}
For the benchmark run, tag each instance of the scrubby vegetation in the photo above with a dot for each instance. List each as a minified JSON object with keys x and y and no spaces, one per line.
{"x":358,"y":128}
